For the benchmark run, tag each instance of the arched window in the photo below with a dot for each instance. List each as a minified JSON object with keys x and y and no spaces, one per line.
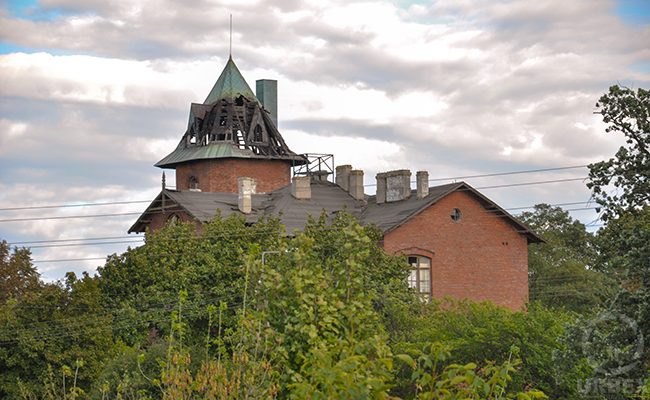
{"x":173,"y":219}
{"x":420,"y":276}
{"x":193,"y":183}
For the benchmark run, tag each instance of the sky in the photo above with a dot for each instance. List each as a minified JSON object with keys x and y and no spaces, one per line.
{"x":94,"y":92}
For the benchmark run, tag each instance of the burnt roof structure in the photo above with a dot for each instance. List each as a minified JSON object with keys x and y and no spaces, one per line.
{"x":231,"y":123}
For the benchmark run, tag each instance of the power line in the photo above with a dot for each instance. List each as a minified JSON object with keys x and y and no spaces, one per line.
{"x":139,"y":213}
{"x":529,"y":171}
{"x":57,"y":243}
{"x":529,"y":183}
{"x":69,"y":217}
{"x":140,"y":240}
{"x":109,"y":203}
{"x":510,"y":173}
{"x":70,"y":240}
{"x":135,"y":235}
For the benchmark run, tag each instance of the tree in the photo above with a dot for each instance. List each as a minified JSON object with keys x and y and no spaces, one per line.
{"x":561,"y":271}
{"x":52,"y":331}
{"x":481,"y":332}
{"x":18,"y":275}
{"x":625,"y":112}
{"x":623,"y":244}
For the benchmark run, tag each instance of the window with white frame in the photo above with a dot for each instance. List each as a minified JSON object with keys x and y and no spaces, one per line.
{"x":420,"y":276}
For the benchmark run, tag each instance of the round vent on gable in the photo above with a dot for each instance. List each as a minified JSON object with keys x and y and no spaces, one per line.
{"x":456,"y":215}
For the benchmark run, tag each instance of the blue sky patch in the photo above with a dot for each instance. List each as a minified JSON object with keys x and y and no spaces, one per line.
{"x":641,"y":66}
{"x":634,"y":11}
{"x":8,"y":48}
{"x":30,"y":9}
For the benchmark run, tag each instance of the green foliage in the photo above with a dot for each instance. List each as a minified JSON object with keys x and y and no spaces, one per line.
{"x":254,"y":314}
{"x":433,"y":379}
{"x":607,"y":345}
{"x":561,"y":271}
{"x":18,"y":276}
{"x":625,"y":112}
{"x":143,"y":283}
{"x":480,"y":332}
{"x":55,"y":327}
{"x":625,"y":251}
{"x":316,"y":300}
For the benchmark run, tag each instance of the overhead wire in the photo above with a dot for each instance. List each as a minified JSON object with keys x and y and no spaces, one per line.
{"x":45,"y":244}
{"x":139,"y":213}
{"x":135,"y":238}
{"x":108,"y":203}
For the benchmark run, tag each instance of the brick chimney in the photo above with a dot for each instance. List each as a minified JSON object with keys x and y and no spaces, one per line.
{"x":247,"y":187}
{"x":266,"y":91}
{"x":381,"y":187}
{"x":356,"y":184}
{"x":301,"y":187}
{"x":422,"y":180}
{"x":343,"y":176}
{"x":393,"y":186}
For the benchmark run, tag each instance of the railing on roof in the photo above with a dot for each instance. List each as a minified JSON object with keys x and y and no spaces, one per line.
{"x":319,"y":167}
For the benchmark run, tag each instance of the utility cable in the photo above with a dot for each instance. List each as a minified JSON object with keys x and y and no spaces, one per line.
{"x":108,"y":203}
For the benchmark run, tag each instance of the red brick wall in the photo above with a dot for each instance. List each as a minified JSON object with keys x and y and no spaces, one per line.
{"x":482,"y":257}
{"x":160,"y":219}
{"x":221,"y":175}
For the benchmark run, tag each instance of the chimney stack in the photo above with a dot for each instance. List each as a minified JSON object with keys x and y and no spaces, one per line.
{"x":266,"y":91}
{"x":422,"y":179}
{"x":301,"y":187}
{"x":247,"y":187}
{"x":381,"y":188}
{"x":393,"y":186}
{"x":343,"y":176}
{"x":356,"y":184}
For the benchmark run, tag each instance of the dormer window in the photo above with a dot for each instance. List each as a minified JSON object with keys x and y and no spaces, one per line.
{"x":193,"y":183}
{"x":257,"y":134}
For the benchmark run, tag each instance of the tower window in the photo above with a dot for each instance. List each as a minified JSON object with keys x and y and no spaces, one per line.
{"x":257,"y":134}
{"x":193,"y":183}
{"x":420,"y":276}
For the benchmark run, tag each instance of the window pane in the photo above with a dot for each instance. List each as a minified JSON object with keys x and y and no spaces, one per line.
{"x":413,"y":261}
{"x":425,"y":280}
{"x":412,"y":280}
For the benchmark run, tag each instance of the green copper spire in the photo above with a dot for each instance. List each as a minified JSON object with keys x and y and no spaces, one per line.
{"x":230,"y":85}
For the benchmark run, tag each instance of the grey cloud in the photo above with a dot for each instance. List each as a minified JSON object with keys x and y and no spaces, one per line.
{"x":82,"y":144}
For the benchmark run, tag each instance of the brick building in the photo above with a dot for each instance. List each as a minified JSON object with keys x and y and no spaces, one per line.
{"x":232,"y":159}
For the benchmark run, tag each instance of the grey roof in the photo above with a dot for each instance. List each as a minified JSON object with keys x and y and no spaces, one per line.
{"x":388,"y":216}
{"x":325,"y":197}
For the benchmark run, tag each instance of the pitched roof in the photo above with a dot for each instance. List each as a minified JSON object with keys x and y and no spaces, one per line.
{"x":229,"y":85}
{"x":231,"y":123}
{"x":388,"y":216}
{"x":325,"y":197}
